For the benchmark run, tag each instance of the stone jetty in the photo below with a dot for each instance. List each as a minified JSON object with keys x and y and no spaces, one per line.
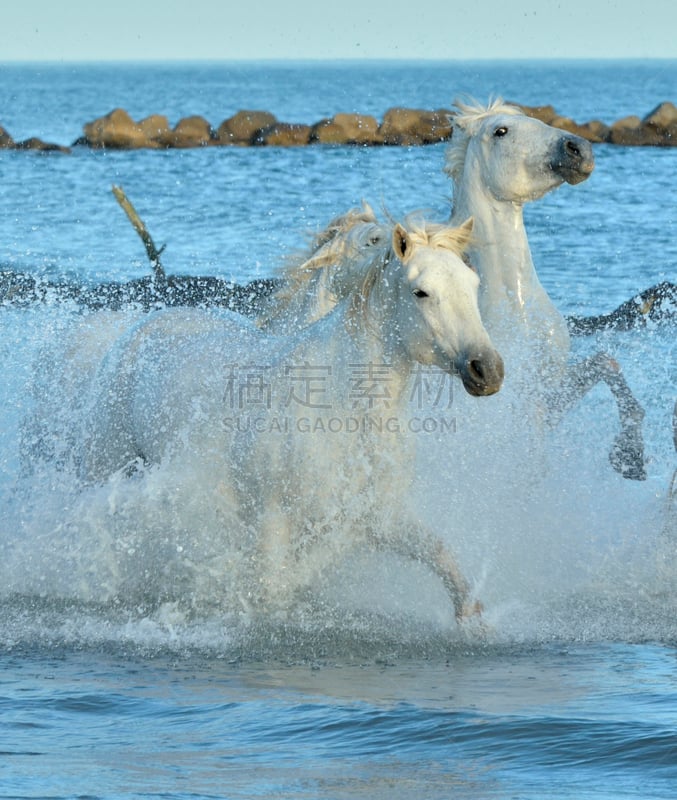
{"x":399,"y":127}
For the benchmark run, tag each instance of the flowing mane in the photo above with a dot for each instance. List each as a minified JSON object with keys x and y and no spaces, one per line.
{"x":347,"y":260}
{"x":326,"y":248}
{"x":308,"y":278}
{"x":439,"y":236}
{"x":465,"y":122}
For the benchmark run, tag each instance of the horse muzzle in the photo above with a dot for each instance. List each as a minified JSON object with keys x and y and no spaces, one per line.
{"x":573,"y":159}
{"x":482,"y":374}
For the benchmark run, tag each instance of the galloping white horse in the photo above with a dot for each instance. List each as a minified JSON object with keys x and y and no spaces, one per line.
{"x":178,"y":388}
{"x":314,"y":281}
{"x":499,"y":159}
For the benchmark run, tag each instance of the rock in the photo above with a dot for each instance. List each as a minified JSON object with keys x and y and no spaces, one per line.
{"x":44,"y":147}
{"x":283,"y":134}
{"x":658,"y":138}
{"x":155,"y":128}
{"x":6,"y":140}
{"x":242,"y":128}
{"x":632,"y":132}
{"x":543,"y":113}
{"x":326,"y":131}
{"x":662,"y":118}
{"x":657,"y":129}
{"x":117,"y":130}
{"x":410,"y":126}
{"x":660,"y":125}
{"x":192,"y":131}
{"x":594,"y":131}
{"x":563,"y":123}
{"x":347,"y":129}
{"x":625,"y":131}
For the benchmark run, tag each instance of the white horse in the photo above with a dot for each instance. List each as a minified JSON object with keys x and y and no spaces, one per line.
{"x":499,"y":159}
{"x":314,"y":281}
{"x":191,"y":386}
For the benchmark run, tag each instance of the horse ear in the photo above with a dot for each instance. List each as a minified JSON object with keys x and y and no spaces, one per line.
{"x":464,"y":232}
{"x":401,"y":244}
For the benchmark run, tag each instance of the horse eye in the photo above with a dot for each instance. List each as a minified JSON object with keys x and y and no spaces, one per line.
{"x":374,"y":240}
{"x":419,"y":293}
{"x":468,"y":263}
{"x":501,"y":131}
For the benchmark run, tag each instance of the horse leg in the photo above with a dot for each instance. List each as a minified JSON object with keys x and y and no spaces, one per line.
{"x":444,"y":565}
{"x":627,"y":454}
{"x":416,"y":543}
{"x":670,"y":524}
{"x":270,"y":576}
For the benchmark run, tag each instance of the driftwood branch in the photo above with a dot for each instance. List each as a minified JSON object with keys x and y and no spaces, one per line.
{"x":152,"y":251}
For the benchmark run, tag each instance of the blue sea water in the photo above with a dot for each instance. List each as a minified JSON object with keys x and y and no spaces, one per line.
{"x":366,"y":689}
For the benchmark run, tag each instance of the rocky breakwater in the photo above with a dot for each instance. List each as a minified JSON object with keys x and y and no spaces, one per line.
{"x":8,"y":143}
{"x":399,"y":126}
{"x":658,"y":128}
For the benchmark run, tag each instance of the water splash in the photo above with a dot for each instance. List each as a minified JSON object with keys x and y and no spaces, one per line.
{"x":558,"y":545}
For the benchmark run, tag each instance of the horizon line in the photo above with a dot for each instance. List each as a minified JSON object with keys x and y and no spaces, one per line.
{"x":332,"y":60}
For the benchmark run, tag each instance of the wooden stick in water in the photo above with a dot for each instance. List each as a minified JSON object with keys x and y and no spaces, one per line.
{"x":152,"y":251}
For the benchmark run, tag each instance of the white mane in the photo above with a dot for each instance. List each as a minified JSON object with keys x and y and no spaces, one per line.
{"x":311,"y":279}
{"x":465,"y":123}
{"x":326,"y":249}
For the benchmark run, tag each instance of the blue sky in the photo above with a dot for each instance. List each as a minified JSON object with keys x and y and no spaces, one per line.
{"x":80,"y":30}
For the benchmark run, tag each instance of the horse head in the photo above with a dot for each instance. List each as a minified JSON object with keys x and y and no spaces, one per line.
{"x":315,"y":280}
{"x":437,"y":319}
{"x":360,"y":245}
{"x":515,"y":157}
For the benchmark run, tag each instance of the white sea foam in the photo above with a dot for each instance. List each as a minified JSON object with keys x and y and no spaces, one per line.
{"x":556,"y":544}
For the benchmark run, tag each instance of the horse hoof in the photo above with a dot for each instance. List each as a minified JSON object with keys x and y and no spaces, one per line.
{"x":470,"y":611}
{"x":471,"y":622}
{"x":628,"y":460}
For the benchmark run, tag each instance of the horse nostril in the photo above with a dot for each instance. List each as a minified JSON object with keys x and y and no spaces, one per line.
{"x":476,"y":368}
{"x":483,"y":375}
{"x":573,"y":148}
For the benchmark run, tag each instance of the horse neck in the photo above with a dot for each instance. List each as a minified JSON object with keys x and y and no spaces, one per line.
{"x":511,"y":295}
{"x":318,"y":298}
{"x":501,"y":254}
{"x":308,"y":302}
{"x":362,"y":338}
